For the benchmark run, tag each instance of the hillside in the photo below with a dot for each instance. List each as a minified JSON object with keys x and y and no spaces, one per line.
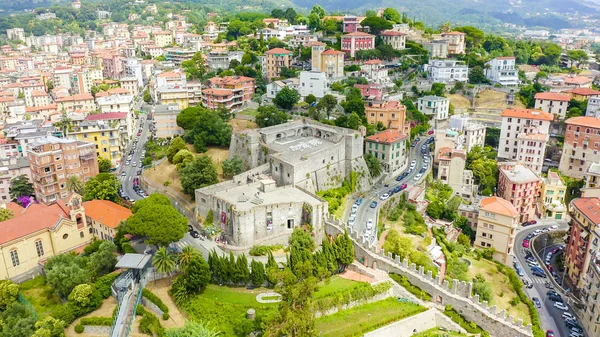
{"x":481,"y":13}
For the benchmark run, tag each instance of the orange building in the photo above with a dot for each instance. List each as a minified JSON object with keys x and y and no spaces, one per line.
{"x":392,"y":114}
{"x":276,"y":59}
{"x":232,"y":92}
{"x":581,"y":146}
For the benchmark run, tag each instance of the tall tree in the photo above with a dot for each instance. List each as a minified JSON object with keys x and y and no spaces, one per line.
{"x":104,"y":260}
{"x":20,"y":186}
{"x":373,"y":164}
{"x":104,"y":165}
{"x":188,"y":253}
{"x":176,"y":145}
{"x":194,"y":68}
{"x":197,"y":174}
{"x":269,"y":115}
{"x":74,"y":184}
{"x":64,"y":272}
{"x":232,"y":166}
{"x":160,"y":224}
{"x":327,"y":104}
{"x":376,"y":24}
{"x":163,"y":261}
{"x":286,"y":98}
{"x":257,"y":274}
{"x":318,"y":11}
{"x":103,"y":186}
{"x":9,"y":291}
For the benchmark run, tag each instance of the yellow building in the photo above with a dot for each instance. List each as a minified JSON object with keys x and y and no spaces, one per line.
{"x":496,"y":227}
{"x":105,"y":135}
{"x":552,"y":197}
{"x":39,"y":232}
{"x":175,"y":95}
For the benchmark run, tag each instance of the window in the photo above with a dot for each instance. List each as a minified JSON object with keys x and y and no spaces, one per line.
{"x":65,"y":236}
{"x":14,"y":257}
{"x":39,"y":248}
{"x":81,"y":234}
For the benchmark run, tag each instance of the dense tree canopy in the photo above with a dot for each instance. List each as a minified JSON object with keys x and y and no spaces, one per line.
{"x":20,"y":186}
{"x":286,"y":98}
{"x":103,"y":186}
{"x":199,"y":173}
{"x":269,"y":115}
{"x":161,"y":223}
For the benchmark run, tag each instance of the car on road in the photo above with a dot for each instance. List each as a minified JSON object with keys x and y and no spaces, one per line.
{"x":354,"y":209}
{"x":549,"y":333}
{"x":351,"y":222}
{"x":567,"y":315}
{"x":139,"y":172}
{"x":430,"y":132}
{"x":532,"y":263}
{"x":526,"y":223}
{"x":358,"y":201}
{"x":573,"y":327}
{"x":418,"y":176}
{"x":553,"y":228}
{"x":369,"y":224}
{"x":413,"y":163}
{"x":417,"y":139}
{"x":195,"y":234}
{"x":518,"y":269}
{"x":403,"y":186}
{"x":384,"y":196}
{"x":123,"y":174}
{"x":526,"y":243}
{"x":426,"y":159}
{"x":537,"y":232}
{"x":553,"y":296}
{"x":533,"y":222}
{"x":561,"y":306}
{"x":537,"y":302}
{"x":397,"y":189}
{"x":575,"y":334}
{"x":373,"y":204}
{"x":425,"y":166}
{"x":413,"y":144}
{"x":538,"y":273}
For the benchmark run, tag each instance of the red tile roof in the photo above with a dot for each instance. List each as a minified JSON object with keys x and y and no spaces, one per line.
{"x":583,"y":91}
{"x":387,"y":137}
{"x":527,"y":113}
{"x":375,"y":61}
{"x":15,"y":208}
{"x":584,"y":121}
{"x":590,"y":207}
{"x":499,"y":206}
{"x":105,"y":116}
{"x":106,"y":212}
{"x":357,"y":34}
{"x":392,"y":33}
{"x":35,"y":218}
{"x":278,"y":51}
{"x":553,"y":96}
{"x":453,"y":33}
{"x":332,"y":52}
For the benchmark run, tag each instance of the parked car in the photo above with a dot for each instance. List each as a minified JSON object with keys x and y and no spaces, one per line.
{"x":561,"y":306}
{"x":567,"y":315}
{"x":537,"y":302}
{"x":403,"y":186}
{"x":430,"y":132}
{"x":418,"y":176}
{"x":369,"y":224}
{"x":549,"y":333}
{"x":359,"y":201}
{"x":373,"y":204}
{"x":195,"y":234}
{"x":538,"y":273}
{"x":384,"y":196}
{"x":526,"y":223}
{"x":397,"y":189}
{"x":553,"y":228}
{"x":533,"y":222}
{"x":526,"y":243}
{"x":554,"y":296}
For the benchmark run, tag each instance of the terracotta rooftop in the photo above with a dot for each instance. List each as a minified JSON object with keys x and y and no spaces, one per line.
{"x":78,"y":97}
{"x":584,"y":121}
{"x":583,"y":91}
{"x":357,"y":34}
{"x":590,"y":207}
{"x":105,"y":116}
{"x":278,"y":51}
{"x":218,"y":92}
{"x":553,"y":96}
{"x":332,"y":52}
{"x":499,"y":206}
{"x":392,"y":33}
{"x":35,"y":218}
{"x":106,"y":212}
{"x":387,"y":137}
{"x":375,"y":61}
{"x":528,"y":114}
{"x":453,"y":33}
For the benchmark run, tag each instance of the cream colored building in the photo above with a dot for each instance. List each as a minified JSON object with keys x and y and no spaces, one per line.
{"x":552,"y":197}
{"x":496,"y":227}
{"x":39,"y":232}
{"x":328,"y":61}
{"x":174,"y":95}
{"x":162,"y":39}
{"x":276,"y":59}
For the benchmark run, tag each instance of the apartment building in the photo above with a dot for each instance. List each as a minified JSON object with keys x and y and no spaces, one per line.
{"x":276,"y":59}
{"x":456,"y":42}
{"x":232,"y":92}
{"x":502,"y":70}
{"x":375,"y":72}
{"x":474,"y":135}
{"x":553,"y":102}
{"x":392,"y":114}
{"x":165,"y":120}
{"x":521,"y":187}
{"x":581,"y":94}
{"x":353,"y":42}
{"x":389,"y":147}
{"x":315,"y":83}
{"x":53,"y":160}
{"x":447,"y":71}
{"x":451,"y":171}
{"x":351,"y":23}
{"x":581,"y":248}
{"x":10,"y":168}
{"x":394,"y":38}
{"x":328,"y":61}
{"x":523,"y":136}
{"x":105,"y":135}
{"x":437,"y":108}
{"x":222,"y":59}
{"x":497,"y":223}
{"x":173,"y":95}
{"x":80,"y":102}
{"x":593,"y":107}
{"x":437,"y":48}
{"x":591,"y":292}
{"x":552,"y":197}
{"x":580,"y":147}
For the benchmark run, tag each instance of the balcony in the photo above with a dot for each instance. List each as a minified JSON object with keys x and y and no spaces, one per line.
{"x":87,"y":155}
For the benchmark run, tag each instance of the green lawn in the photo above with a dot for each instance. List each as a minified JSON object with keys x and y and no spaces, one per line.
{"x":335,"y":284}
{"x":41,"y":296}
{"x":248,"y":112}
{"x":436,"y":332}
{"x":368,"y":317}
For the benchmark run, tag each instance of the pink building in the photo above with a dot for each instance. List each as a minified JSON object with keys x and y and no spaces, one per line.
{"x":371,"y":91}
{"x":521,"y":186}
{"x":232,"y":92}
{"x":353,"y":42}
{"x":351,"y":23}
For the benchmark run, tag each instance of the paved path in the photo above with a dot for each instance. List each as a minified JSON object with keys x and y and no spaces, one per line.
{"x":259,"y":297}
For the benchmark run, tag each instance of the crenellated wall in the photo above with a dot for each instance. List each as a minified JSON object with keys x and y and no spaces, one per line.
{"x":497,"y":323}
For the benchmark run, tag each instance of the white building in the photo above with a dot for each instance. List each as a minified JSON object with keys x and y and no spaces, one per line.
{"x":437,"y":48}
{"x":435,"y":107}
{"x":220,"y":60}
{"x":133,"y":68}
{"x":15,"y":34}
{"x":474,"y":135}
{"x":375,"y":72}
{"x":553,"y":102}
{"x":523,"y":136}
{"x":593,"y":107}
{"x":313,"y":82}
{"x":275,"y":87}
{"x":502,"y":70}
{"x":446,"y":71}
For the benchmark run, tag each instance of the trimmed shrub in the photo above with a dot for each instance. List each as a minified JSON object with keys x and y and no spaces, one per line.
{"x":339,"y":298}
{"x":99,"y":321}
{"x":79,"y":328}
{"x":102,"y":284}
{"x":150,"y":296}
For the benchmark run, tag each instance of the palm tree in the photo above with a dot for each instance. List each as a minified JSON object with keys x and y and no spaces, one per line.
{"x":187,"y":255}
{"x":163,"y":261}
{"x":74,"y":184}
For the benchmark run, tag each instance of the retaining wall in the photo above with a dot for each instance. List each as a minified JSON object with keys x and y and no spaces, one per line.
{"x":496,"y":322}
{"x":418,"y":323}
